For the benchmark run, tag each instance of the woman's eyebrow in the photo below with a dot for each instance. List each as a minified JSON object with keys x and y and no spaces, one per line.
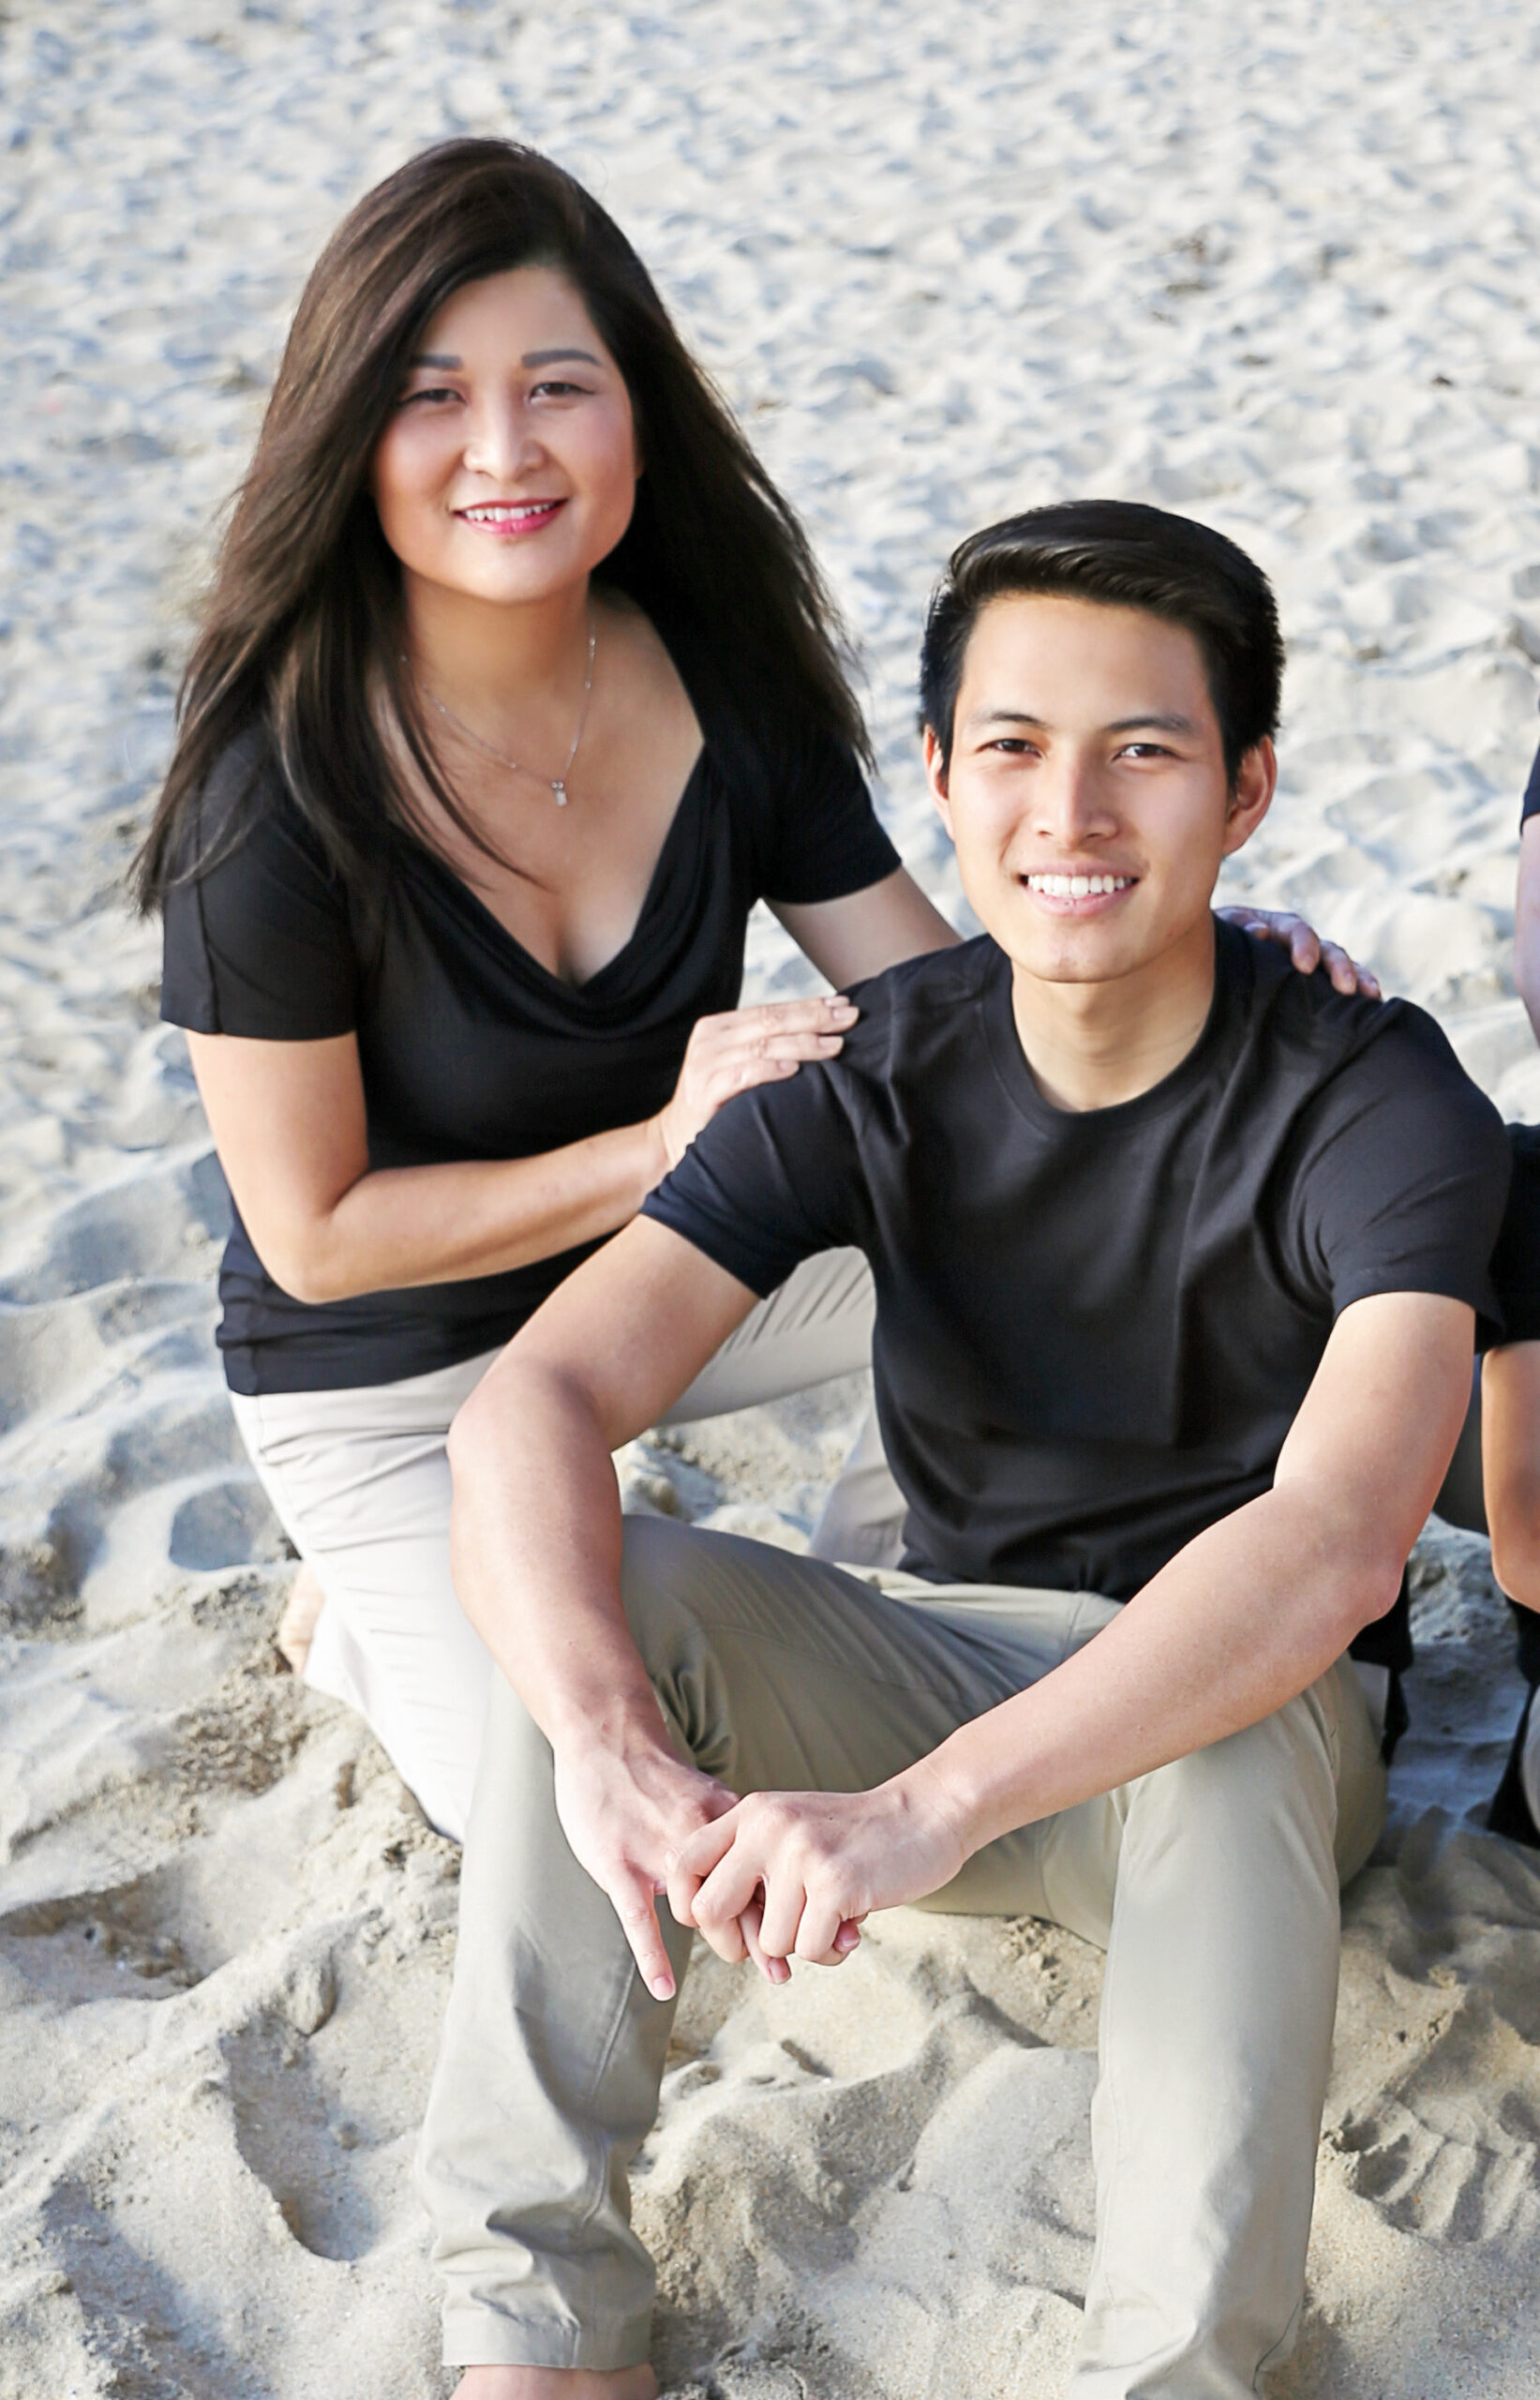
{"x":530,"y":358}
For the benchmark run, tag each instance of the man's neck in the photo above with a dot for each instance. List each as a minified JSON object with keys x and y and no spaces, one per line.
{"x":1095,"y":1045}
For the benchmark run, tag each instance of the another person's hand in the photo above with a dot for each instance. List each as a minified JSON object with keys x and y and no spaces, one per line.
{"x":731,"y":1053}
{"x":625,"y":1811}
{"x":801,"y":1869}
{"x":1305,"y":947}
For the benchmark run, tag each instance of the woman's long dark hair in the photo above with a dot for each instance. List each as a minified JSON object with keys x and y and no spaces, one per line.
{"x":303,"y":633}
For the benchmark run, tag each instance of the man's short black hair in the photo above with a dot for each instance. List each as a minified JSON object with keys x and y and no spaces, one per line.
{"x":1124,"y":555}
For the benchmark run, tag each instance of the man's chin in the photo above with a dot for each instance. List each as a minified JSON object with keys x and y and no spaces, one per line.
{"x":1105,"y":949}
{"x":1083,"y":952}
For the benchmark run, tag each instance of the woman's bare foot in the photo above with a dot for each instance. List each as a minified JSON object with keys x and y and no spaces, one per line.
{"x":301,"y":1612}
{"x":556,"y":2383}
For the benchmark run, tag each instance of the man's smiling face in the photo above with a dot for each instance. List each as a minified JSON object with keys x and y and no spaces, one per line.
{"x":1087,"y":791}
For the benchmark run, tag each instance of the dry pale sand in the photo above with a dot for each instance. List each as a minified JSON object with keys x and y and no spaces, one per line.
{"x":1271,"y":263}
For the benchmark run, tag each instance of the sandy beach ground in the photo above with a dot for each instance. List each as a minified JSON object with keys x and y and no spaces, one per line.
{"x":1271,"y":263}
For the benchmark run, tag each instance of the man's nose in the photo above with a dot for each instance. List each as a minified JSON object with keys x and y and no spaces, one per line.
{"x":1069,"y":800}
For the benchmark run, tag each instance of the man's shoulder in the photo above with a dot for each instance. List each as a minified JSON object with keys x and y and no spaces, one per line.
{"x":908,"y":1006}
{"x":1303,"y":1024}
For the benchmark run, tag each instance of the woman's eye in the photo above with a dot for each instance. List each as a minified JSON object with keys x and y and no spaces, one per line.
{"x":433,"y":392}
{"x":561,"y":391}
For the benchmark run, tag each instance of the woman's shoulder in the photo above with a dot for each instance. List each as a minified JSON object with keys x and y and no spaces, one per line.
{"x":244,"y":811}
{"x":794,"y":785}
{"x":258,"y":938}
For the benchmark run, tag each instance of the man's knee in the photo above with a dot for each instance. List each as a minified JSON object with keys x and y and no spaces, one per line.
{"x":1268,"y":1794}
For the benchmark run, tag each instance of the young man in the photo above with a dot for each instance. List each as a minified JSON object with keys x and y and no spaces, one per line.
{"x":1165,"y":1239}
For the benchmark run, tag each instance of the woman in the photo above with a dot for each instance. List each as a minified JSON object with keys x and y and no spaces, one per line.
{"x":517,"y":688}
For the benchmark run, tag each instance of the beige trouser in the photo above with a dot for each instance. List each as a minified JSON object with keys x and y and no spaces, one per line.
{"x":360,"y":1484}
{"x":1212,"y":1884}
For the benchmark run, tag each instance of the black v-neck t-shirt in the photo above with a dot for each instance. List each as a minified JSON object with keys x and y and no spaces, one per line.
{"x":1095,"y":1330}
{"x":469,"y":1047}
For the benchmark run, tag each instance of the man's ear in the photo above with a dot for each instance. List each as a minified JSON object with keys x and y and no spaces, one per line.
{"x":1256,"y":781}
{"x":935,"y":776}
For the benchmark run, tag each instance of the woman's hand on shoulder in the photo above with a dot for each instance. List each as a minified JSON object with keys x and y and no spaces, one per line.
{"x":731,"y":1053}
{"x":1305,"y":947}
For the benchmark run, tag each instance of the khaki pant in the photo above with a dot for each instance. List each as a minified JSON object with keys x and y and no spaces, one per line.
{"x":360,"y":1484}
{"x":1212,"y":1884}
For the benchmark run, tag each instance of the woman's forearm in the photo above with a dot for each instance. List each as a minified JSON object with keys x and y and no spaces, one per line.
{"x":398,"y":1227}
{"x":289,"y":1123}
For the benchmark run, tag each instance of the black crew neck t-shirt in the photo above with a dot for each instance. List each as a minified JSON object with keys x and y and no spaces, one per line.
{"x":470,"y":1048}
{"x":1095,"y":1330}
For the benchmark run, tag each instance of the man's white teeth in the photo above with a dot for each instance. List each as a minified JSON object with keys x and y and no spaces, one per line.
{"x":1077,"y":887}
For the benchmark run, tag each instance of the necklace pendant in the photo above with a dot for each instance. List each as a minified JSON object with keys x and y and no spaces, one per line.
{"x":558,"y":792}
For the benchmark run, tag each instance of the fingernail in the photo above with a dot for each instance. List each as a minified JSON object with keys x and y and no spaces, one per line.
{"x":663,"y":1988}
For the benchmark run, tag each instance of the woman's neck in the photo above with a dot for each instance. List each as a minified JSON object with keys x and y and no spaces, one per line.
{"x":492,"y":658}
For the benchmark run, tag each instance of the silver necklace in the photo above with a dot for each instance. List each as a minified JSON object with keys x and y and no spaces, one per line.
{"x":555,"y":784}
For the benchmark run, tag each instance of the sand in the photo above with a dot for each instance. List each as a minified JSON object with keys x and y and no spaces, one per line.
{"x":1270,"y":263}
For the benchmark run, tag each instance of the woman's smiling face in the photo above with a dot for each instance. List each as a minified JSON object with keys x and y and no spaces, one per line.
{"x":508,"y":467}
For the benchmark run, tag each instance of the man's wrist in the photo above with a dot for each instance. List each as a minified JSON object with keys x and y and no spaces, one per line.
{"x":941,"y":1785}
{"x":618,"y":1724}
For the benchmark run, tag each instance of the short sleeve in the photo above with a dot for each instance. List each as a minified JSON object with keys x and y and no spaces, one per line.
{"x":823,"y":840}
{"x":1531,"y":794}
{"x":1516,"y":1261}
{"x":798,"y":789}
{"x":1403,"y":1173}
{"x":775,"y":1177}
{"x":259,"y":941}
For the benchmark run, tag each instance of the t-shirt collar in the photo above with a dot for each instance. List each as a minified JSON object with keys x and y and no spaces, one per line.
{"x":1234,"y":978}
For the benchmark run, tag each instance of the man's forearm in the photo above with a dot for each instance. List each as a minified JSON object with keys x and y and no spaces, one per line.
{"x":536,"y":1552}
{"x":1244,"y":1618}
{"x":535,"y":1536}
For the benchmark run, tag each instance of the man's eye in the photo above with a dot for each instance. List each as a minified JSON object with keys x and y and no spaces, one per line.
{"x":1145,"y":750}
{"x":1015,"y":746}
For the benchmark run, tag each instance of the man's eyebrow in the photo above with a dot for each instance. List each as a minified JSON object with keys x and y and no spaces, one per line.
{"x":1158,"y":721}
{"x":1168,"y":721}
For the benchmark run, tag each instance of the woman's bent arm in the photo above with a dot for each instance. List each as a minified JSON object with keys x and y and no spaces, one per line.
{"x":288,"y":1120}
{"x":867,"y":931}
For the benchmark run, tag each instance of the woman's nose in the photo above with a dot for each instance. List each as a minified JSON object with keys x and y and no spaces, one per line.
{"x":500,"y":442}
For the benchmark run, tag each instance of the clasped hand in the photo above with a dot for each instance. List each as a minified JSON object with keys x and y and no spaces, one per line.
{"x":776,"y":1876}
{"x":804,"y":1870}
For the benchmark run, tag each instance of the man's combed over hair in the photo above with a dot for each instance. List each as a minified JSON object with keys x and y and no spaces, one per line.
{"x":1120,"y":554}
